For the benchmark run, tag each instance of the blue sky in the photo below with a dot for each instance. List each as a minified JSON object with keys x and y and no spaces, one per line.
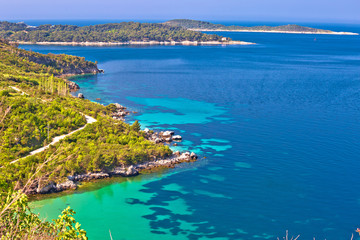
{"x":239,"y":10}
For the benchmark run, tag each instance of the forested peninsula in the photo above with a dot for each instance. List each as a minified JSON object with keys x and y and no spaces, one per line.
{"x":108,"y":34}
{"x":36,"y":107}
{"x":211,"y":27}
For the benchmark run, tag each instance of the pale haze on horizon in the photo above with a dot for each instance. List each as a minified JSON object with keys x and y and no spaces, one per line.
{"x":345,"y":11}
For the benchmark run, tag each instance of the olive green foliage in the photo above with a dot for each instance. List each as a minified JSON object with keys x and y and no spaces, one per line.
{"x":136,"y":126}
{"x":35,"y":107}
{"x":32,"y":123}
{"x":112,"y":32}
{"x":4,"y":93}
{"x":4,"y":26}
{"x":36,"y":63}
{"x":111,"y":107}
{"x":31,"y":120}
{"x":18,"y":222}
{"x":101,"y":146}
{"x":66,"y":226}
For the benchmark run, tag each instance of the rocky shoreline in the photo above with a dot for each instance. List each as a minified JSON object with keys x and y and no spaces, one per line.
{"x":72,"y":86}
{"x":156,"y":137}
{"x":74,"y":181}
{"x":163,"y":136}
{"x":171,"y":43}
{"x":120,"y":112}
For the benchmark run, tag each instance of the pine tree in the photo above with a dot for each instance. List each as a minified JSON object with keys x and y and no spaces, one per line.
{"x":136,"y":126}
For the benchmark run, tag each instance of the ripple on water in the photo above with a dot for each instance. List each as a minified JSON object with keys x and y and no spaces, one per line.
{"x":217,"y":148}
{"x":196,"y":134}
{"x":209,"y":140}
{"x":215,"y":168}
{"x":214,"y":144}
{"x":242,"y":165}
{"x":210,"y":194}
{"x":214,"y":177}
{"x":219,"y":155}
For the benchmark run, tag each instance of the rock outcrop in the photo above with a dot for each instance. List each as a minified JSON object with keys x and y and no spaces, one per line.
{"x":193,"y":156}
{"x":73,"y":86}
{"x":53,"y":187}
{"x":159,"y":137}
{"x":120,"y":112}
{"x":167,"y":134}
{"x":170,"y":162}
{"x":177,"y":138}
{"x":65,"y":186}
{"x":131,"y":171}
{"x":47,"y":188}
{"x":88,"y":176}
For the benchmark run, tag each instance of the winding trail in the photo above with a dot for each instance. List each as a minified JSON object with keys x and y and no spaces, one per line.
{"x":19,"y":90}
{"x":89,"y":120}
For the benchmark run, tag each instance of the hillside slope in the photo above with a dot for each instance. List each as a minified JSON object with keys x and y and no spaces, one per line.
{"x":44,"y":109}
{"x":56,"y":64}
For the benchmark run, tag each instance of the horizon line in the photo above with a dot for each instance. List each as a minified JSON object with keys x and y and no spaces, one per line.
{"x":168,"y":19}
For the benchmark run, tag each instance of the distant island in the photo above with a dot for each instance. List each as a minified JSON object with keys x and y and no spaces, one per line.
{"x":108,"y":34}
{"x":173,"y":32}
{"x":212,"y":27}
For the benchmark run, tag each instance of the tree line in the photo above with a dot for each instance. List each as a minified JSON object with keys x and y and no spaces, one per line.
{"x":111,"y":32}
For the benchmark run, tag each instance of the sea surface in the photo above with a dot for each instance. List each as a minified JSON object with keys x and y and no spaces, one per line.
{"x":277,"y":126}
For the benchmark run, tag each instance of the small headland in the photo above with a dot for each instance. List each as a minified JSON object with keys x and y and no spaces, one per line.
{"x":119,"y":114}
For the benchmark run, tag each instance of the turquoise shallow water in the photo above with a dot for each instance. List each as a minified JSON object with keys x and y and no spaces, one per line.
{"x":278,"y":123}
{"x":119,"y":203}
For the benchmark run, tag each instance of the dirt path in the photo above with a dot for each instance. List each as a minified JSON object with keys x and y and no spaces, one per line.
{"x":89,"y":120}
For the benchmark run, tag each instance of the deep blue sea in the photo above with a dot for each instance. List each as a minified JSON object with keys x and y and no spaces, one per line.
{"x":278,"y":123}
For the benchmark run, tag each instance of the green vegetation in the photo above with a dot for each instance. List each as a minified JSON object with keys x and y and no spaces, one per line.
{"x":100,"y":147}
{"x":111,"y":32}
{"x":201,"y":25}
{"x":36,"y":106}
{"x":136,"y":126}
{"x":30,"y":121}
{"x":33,"y":63}
{"x":18,"y":222}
